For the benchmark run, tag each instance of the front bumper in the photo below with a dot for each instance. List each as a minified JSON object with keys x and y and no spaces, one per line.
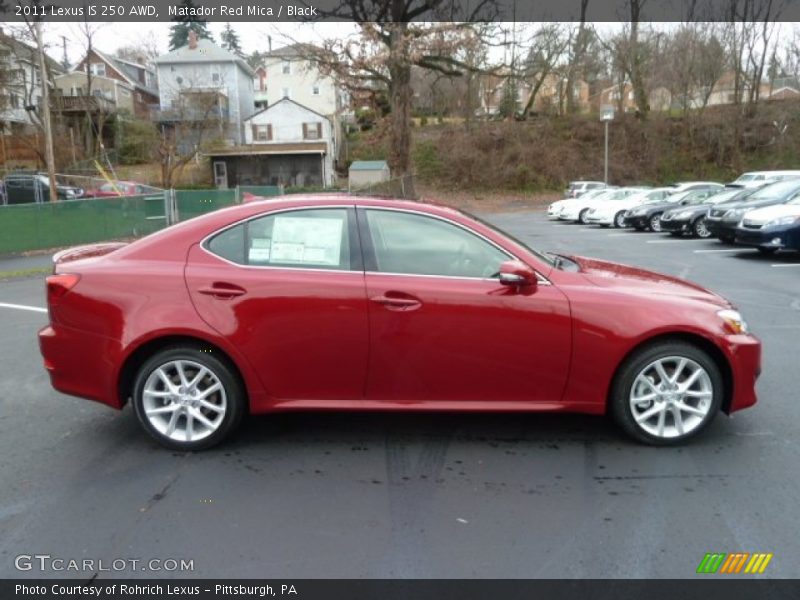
{"x":638,"y":221}
{"x":721,"y":229}
{"x":787,"y":236}
{"x":681,"y":225}
{"x":744,"y":356}
{"x":601,"y":219}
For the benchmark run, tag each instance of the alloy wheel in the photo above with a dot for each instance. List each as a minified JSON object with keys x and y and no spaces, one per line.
{"x":655,"y":223}
{"x":184,"y":400}
{"x":671,"y":397}
{"x":701,"y":230}
{"x":619,"y":220}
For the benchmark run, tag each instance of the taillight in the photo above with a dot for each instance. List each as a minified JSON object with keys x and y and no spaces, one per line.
{"x":58,"y":285}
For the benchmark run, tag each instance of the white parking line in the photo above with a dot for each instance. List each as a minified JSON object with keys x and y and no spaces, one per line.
{"x":677,"y":241}
{"x":785,"y":265}
{"x":618,"y":234}
{"x":720,"y":250}
{"x":23,"y":307}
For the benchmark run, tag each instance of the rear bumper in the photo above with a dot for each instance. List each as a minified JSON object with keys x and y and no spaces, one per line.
{"x":81,"y":364}
{"x":744,"y":356}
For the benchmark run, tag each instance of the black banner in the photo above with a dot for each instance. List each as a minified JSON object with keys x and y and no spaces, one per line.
{"x":381,"y":10}
{"x":439,"y":589}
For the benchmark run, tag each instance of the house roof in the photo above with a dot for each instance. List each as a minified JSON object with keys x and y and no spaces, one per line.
{"x":205,"y":52}
{"x":298,"y":50}
{"x":269,"y":148}
{"x":274,"y":104}
{"x":23,"y":51}
{"x":122,"y":67}
{"x":368,"y":165}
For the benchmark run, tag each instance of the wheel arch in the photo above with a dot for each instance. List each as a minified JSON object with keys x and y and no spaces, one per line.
{"x":705,"y":344}
{"x":148,"y":348}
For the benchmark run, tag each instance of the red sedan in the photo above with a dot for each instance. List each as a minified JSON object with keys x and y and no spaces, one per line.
{"x":336,"y":302}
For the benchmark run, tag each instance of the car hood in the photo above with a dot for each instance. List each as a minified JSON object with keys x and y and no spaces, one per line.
{"x":634,"y":279}
{"x":654,"y":206}
{"x":695,"y":209}
{"x":763,"y":215}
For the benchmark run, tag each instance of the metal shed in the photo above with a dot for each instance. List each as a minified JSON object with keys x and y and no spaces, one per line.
{"x":363,"y":173}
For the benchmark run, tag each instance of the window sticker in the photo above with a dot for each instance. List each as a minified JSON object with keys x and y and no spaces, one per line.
{"x":306,"y":240}
{"x":259,"y":250}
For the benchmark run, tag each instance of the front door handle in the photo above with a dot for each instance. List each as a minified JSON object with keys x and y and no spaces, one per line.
{"x":397,"y":303}
{"x":223,"y":291}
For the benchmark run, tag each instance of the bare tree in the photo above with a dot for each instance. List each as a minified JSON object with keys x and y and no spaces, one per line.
{"x":392,"y":40}
{"x":579,"y":43}
{"x":546,"y":50}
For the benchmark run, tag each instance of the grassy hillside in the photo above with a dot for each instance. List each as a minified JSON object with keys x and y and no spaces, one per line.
{"x":544,"y":153}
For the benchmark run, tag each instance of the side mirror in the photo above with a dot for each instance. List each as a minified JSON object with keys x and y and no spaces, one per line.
{"x":517,"y":273}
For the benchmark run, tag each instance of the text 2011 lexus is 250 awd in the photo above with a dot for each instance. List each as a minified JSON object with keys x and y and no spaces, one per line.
{"x":336,"y":302}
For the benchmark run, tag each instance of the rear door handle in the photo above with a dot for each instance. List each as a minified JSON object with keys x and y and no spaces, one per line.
{"x":223,"y":291}
{"x":397,"y":303}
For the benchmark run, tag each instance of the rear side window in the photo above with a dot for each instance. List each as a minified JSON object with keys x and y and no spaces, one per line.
{"x":314,"y":239}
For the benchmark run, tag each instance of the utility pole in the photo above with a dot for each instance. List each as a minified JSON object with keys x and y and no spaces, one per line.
{"x":65,"y":58}
{"x":45,"y":107}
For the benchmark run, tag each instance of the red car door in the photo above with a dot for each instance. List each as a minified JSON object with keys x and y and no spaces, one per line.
{"x":442,"y":328}
{"x":287,"y":289}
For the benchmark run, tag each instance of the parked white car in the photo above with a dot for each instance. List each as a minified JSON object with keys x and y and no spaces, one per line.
{"x":554,"y":209}
{"x":577,"y":209}
{"x":611,"y":211}
{"x":759,"y":178}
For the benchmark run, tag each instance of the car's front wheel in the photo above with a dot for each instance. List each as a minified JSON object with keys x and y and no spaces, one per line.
{"x":700,"y":230}
{"x":655,"y":223}
{"x":666,"y":393}
{"x":619,"y":219}
{"x":187,"y":398}
{"x":582,"y":216}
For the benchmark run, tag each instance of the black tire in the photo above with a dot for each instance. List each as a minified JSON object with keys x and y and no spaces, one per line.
{"x":619,"y":404}
{"x":582,"y":216}
{"x":699,"y":229}
{"x":619,"y":220}
{"x":767,"y":251}
{"x":232,"y":386}
{"x":655,"y":223}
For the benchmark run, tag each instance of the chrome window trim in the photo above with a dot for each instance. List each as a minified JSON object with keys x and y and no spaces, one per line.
{"x":542,"y":280}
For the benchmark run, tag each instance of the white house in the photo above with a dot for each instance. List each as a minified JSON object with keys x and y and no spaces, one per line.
{"x":202,"y":67}
{"x":285,"y":144}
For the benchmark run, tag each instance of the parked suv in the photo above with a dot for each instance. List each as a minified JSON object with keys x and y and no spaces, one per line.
{"x":25,"y":187}
{"x":576,"y":189}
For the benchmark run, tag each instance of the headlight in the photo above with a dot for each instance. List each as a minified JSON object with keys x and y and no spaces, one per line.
{"x":636,"y":213}
{"x":782,"y":221}
{"x":684,"y":214}
{"x":733,"y":213}
{"x":734,"y":322}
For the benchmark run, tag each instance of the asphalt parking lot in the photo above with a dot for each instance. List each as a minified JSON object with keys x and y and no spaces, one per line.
{"x":417,"y":495}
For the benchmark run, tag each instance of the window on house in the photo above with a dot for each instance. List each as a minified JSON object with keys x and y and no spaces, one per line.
{"x":262,"y":133}
{"x":312,"y":131}
{"x":98,"y":69}
{"x":215,"y":77}
{"x":287,"y":67}
{"x":315,"y":89}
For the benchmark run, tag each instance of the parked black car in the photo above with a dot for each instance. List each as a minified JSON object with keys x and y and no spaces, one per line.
{"x":24,"y":187}
{"x":648,"y":216}
{"x":692,"y":219}
{"x":722,"y":221}
{"x":771,"y":228}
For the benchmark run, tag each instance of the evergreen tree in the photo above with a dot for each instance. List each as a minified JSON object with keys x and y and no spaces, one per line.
{"x":230,"y":40}
{"x":179,"y":33}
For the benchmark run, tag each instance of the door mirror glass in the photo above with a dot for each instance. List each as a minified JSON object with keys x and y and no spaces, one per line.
{"x":517,"y":273}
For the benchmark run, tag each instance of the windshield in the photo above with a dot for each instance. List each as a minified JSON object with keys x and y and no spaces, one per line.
{"x":721,"y":197}
{"x":540,"y":255}
{"x":776,"y":190}
{"x":748,"y":177}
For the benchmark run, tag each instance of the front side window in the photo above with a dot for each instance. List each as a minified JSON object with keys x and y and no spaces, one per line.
{"x":413,"y":244}
{"x":314,"y":239}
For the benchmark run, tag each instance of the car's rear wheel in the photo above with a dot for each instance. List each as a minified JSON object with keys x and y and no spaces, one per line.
{"x":619,"y":219}
{"x":187,"y":398}
{"x":582,"y":216}
{"x":655,"y":223}
{"x":666,"y":393}
{"x":700,"y":229}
